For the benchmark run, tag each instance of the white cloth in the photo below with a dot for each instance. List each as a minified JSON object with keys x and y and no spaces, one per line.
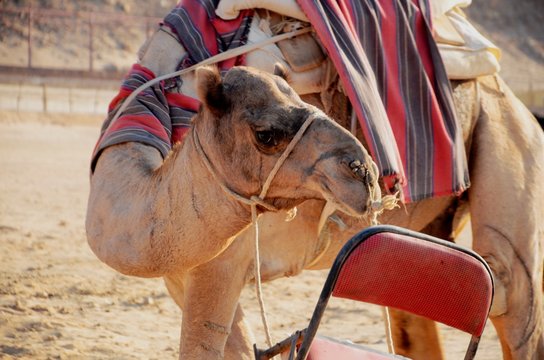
{"x":441,"y":7}
{"x":229,"y":9}
{"x":265,"y":58}
{"x":465,"y":51}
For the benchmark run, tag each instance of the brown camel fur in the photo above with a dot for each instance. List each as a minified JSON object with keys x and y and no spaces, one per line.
{"x":148,"y":217}
{"x":505,"y":147}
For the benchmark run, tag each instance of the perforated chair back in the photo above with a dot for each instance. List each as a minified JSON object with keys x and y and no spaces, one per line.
{"x":411,"y":271}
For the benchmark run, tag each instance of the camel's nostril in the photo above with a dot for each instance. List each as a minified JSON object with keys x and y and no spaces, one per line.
{"x":361,"y":171}
{"x":354,"y":164}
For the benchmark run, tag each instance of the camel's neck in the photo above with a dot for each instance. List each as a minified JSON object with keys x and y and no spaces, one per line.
{"x":200,"y":217}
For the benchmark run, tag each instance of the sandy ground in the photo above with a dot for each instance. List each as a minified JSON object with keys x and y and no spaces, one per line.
{"x":57,"y":301}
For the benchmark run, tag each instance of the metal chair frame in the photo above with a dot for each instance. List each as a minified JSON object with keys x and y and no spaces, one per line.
{"x":305,"y":337}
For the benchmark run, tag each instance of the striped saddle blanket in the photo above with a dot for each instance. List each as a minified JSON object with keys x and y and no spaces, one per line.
{"x":389,"y":67}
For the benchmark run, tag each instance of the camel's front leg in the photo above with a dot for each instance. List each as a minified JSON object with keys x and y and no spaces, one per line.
{"x":210,"y":299}
{"x":208,"y":296}
{"x":240,"y":342}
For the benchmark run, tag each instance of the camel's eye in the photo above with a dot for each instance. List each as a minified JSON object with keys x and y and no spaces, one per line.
{"x":266,"y":137}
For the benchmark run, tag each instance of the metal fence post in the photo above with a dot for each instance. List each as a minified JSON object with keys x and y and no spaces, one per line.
{"x":29,"y":37}
{"x":91,"y":34}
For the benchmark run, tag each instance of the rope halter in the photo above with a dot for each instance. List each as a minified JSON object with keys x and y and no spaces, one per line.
{"x":254,"y":200}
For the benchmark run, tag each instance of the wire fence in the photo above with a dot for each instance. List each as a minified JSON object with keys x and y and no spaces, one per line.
{"x":101,"y":45}
{"x":33,"y":37}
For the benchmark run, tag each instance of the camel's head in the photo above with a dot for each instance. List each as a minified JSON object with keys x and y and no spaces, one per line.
{"x":252,"y":116}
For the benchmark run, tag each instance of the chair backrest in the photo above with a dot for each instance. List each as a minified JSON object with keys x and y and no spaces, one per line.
{"x":411,"y":271}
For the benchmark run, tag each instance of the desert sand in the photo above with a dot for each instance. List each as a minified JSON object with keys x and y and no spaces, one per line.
{"x":58,"y":301}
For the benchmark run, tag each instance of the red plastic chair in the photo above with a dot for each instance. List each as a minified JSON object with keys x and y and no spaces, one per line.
{"x":407,"y":270}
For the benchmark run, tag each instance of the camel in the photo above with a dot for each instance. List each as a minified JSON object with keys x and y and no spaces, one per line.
{"x":505,"y":148}
{"x":172,"y":218}
{"x":506,"y":152}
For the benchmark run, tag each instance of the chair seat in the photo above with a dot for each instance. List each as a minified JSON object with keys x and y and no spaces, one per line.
{"x":324,"y":348}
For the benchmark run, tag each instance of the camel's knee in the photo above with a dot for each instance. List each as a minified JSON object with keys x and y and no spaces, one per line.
{"x":240,"y":341}
{"x":502,"y":279}
{"x":515,"y":288}
{"x":500,"y":303}
{"x":516,"y":262}
{"x":517,"y":306}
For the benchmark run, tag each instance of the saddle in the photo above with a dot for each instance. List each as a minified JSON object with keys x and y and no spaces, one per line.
{"x":466,"y":53}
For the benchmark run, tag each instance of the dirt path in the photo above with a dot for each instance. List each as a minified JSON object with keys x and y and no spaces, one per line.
{"x":57,"y":301}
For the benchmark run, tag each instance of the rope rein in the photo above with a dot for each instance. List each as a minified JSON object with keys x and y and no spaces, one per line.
{"x":253,"y":200}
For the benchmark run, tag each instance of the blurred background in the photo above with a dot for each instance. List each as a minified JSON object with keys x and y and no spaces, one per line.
{"x":68,"y":57}
{"x":65,"y":56}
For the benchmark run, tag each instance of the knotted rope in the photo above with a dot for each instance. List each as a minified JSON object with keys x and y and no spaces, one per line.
{"x":378,"y":205}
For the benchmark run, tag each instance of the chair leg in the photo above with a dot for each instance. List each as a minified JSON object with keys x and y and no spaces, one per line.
{"x":290,"y":343}
{"x":472,"y":348}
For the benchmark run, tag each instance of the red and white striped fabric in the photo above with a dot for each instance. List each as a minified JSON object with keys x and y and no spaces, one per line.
{"x":394,"y":77}
{"x":389,"y":66}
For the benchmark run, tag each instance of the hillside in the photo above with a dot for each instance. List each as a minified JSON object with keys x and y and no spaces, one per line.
{"x":64,"y":42}
{"x":516,"y":27}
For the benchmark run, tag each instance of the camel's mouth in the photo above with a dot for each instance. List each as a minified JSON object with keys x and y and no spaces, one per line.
{"x":284,"y":203}
{"x":353,"y":200}
{"x":350,"y":186}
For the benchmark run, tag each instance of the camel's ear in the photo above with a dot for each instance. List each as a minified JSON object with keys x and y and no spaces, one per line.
{"x":210,"y":89}
{"x":281,"y":71}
